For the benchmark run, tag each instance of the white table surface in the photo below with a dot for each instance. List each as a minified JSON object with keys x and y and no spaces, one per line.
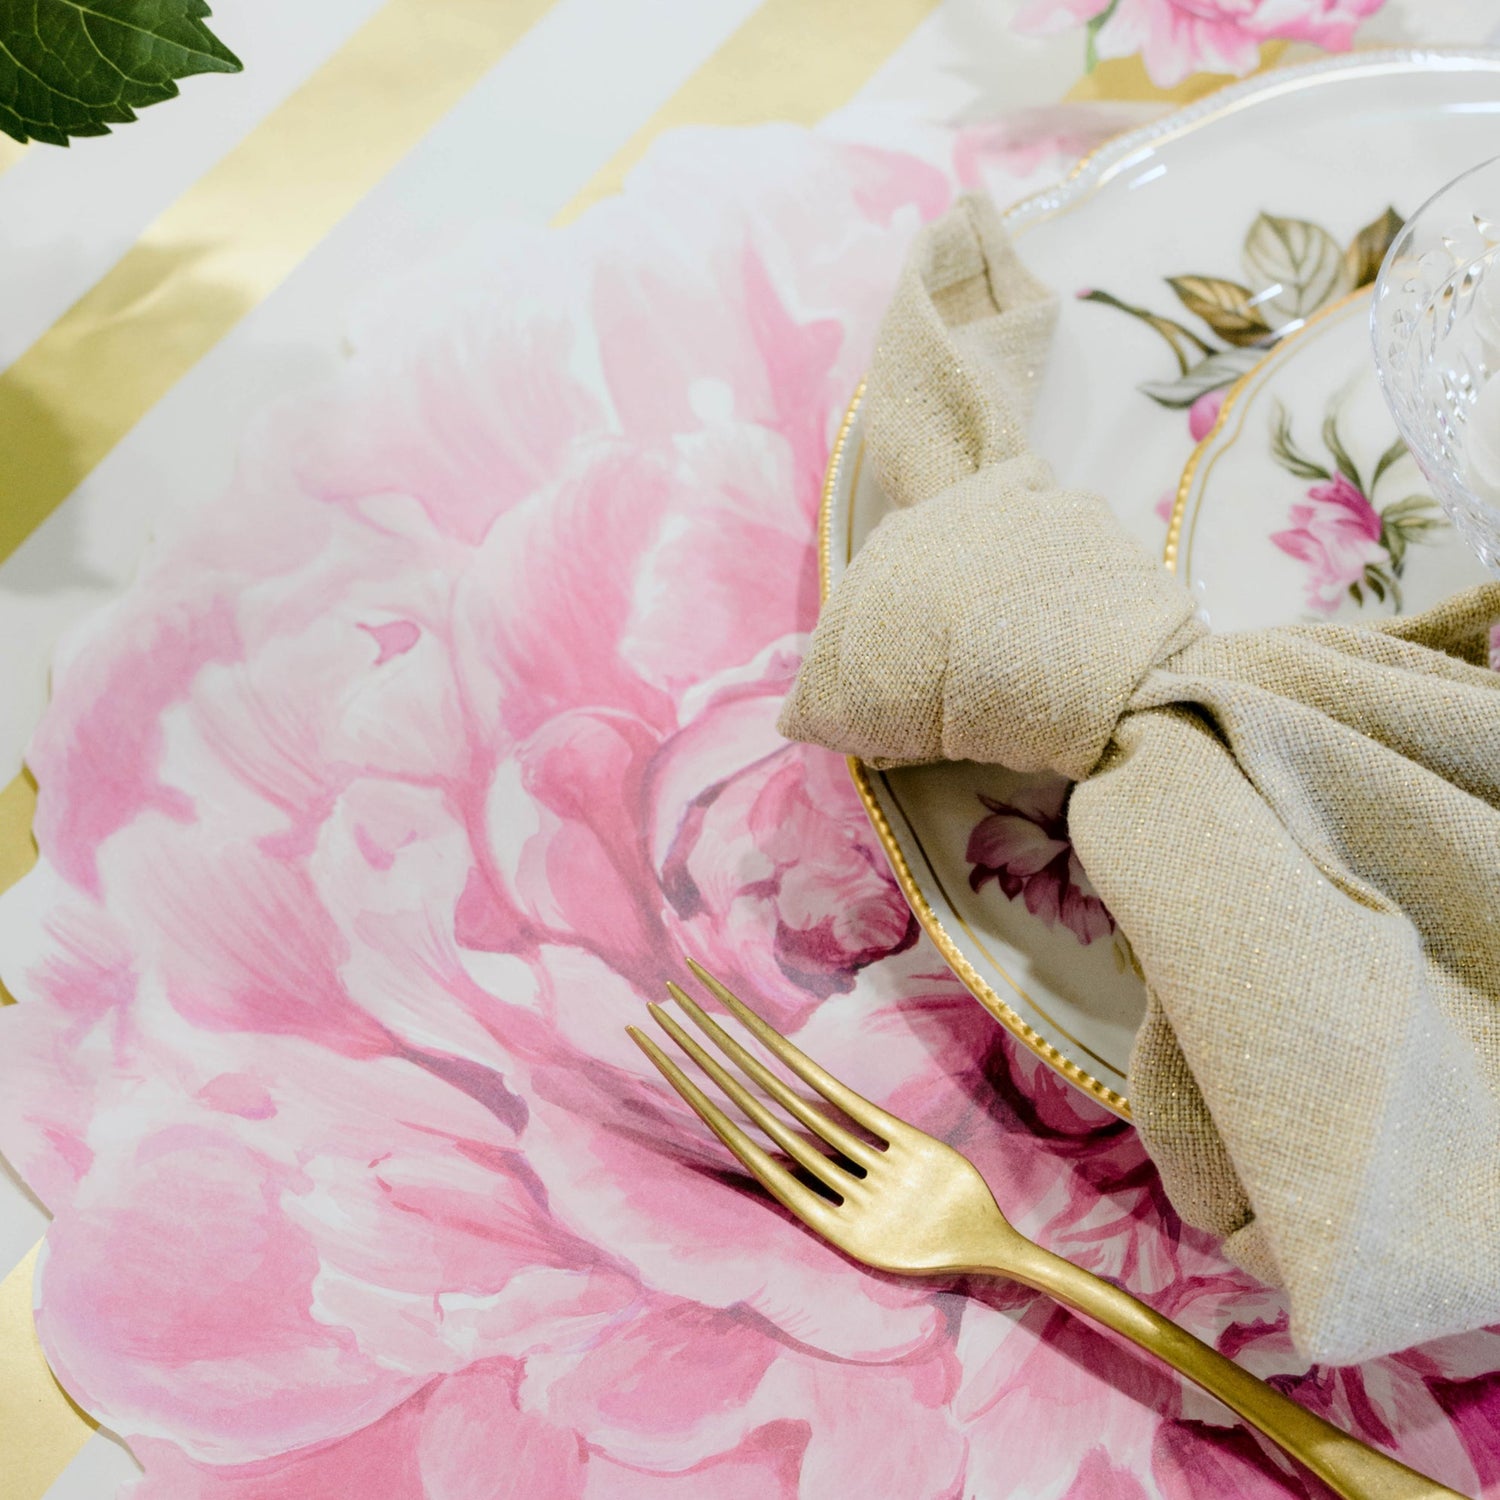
{"x":549,"y":115}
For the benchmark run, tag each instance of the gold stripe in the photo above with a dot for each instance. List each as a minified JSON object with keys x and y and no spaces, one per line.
{"x":43,"y":1430}
{"x":231,"y":240}
{"x":1126,"y":78}
{"x":792,"y":60}
{"x":17,"y":847}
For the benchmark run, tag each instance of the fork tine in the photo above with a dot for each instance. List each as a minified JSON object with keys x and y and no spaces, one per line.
{"x":815,"y":1120}
{"x":829,"y":1173}
{"x":856,"y":1106}
{"x":807,"y":1205}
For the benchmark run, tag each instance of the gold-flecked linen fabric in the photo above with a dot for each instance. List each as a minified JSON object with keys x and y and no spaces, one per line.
{"x":1298,"y":829}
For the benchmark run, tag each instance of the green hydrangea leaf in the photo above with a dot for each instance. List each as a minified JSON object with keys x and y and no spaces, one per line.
{"x":76,"y":67}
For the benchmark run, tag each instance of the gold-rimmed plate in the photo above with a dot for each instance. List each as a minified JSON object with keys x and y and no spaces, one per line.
{"x":1187,"y":254}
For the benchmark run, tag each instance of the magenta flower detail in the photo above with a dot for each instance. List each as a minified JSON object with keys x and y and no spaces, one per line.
{"x":1204,"y":412}
{"x":1023,"y":846}
{"x":1350,"y":548}
{"x":1336,"y":533}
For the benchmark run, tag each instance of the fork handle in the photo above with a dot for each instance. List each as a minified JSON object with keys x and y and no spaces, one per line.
{"x":1345,"y":1464}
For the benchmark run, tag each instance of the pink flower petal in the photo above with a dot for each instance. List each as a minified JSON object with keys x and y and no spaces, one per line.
{"x":471,"y":1420}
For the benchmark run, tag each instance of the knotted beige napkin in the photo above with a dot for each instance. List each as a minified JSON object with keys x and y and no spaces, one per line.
{"x":1298,"y":829}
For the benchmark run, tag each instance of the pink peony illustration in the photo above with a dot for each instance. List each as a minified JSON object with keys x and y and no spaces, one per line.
{"x":1336,"y":533}
{"x":1176,"y":38}
{"x":1023,"y":846}
{"x":397,"y":788}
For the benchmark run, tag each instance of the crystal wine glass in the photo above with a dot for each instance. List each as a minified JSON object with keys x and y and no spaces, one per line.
{"x":1435,"y":322}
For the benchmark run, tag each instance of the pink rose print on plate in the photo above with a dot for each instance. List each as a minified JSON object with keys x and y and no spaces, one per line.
{"x":1204,"y":412}
{"x":1349,"y":548}
{"x":1023,"y":846}
{"x":392,"y":793}
{"x":1336,"y":533}
{"x":1176,"y":38}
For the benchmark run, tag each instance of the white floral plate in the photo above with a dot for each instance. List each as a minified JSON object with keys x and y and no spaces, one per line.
{"x":1191,"y":247}
{"x":1304,"y":492}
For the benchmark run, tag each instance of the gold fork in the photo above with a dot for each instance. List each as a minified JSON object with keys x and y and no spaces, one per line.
{"x":916,"y":1206}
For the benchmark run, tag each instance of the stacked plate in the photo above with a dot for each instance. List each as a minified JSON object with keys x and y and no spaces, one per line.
{"x":1215,"y":270}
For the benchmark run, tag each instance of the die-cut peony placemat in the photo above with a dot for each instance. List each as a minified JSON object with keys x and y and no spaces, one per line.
{"x":387,"y":797}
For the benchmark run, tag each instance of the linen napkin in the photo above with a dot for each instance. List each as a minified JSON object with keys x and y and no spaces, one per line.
{"x":1298,"y":829}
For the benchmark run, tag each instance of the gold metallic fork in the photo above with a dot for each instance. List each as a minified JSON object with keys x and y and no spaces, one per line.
{"x":916,"y":1206}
